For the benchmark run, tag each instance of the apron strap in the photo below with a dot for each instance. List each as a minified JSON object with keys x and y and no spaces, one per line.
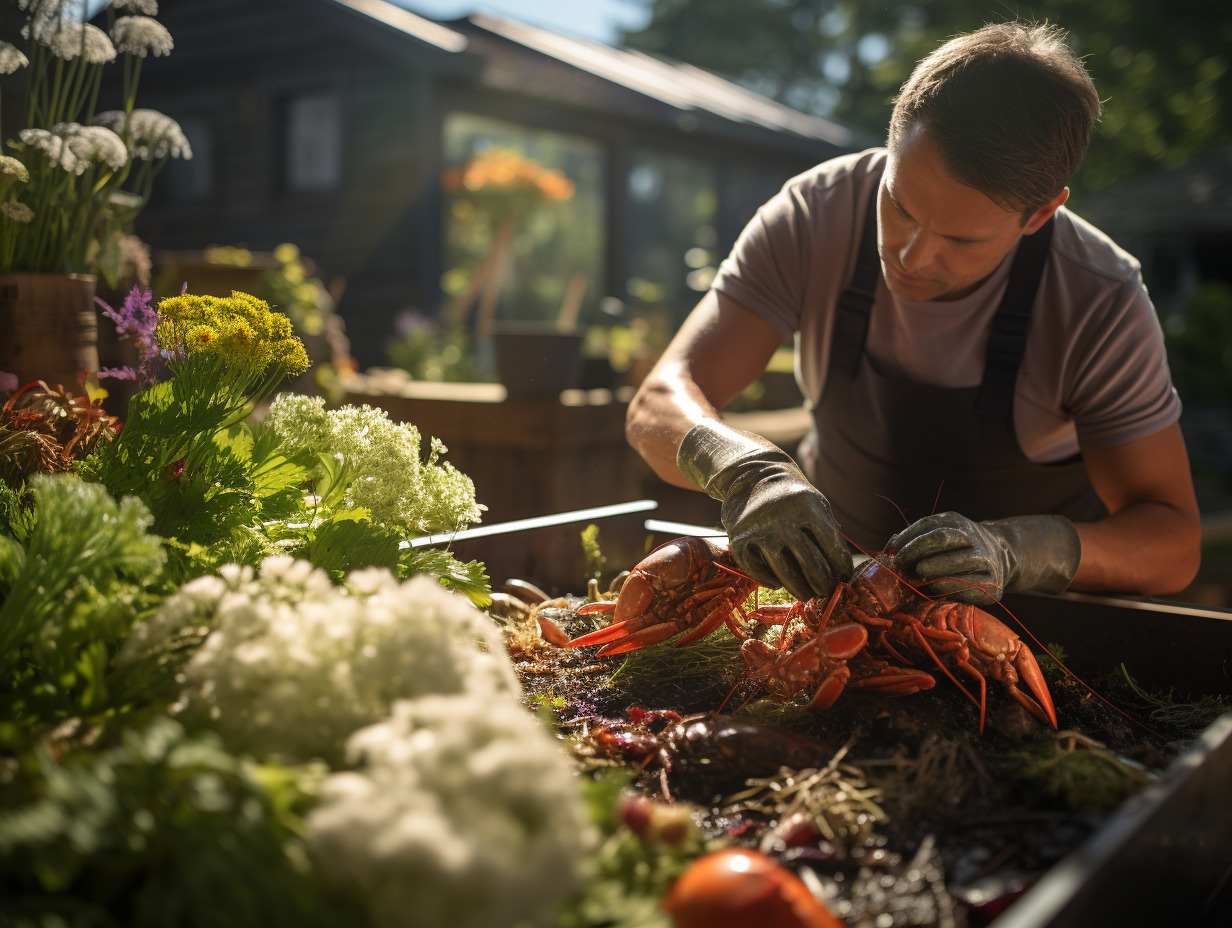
{"x":1008,"y":339}
{"x":856,"y":301}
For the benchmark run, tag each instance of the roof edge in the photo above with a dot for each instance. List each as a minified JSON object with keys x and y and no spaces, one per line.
{"x":403,"y":20}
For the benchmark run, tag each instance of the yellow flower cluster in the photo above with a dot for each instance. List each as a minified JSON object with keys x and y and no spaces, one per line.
{"x":503,"y":169}
{"x":240,"y":329}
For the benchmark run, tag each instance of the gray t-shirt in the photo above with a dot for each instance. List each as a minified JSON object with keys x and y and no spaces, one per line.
{"x":1094,"y":373}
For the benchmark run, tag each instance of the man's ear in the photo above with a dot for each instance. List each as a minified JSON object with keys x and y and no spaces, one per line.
{"x":1044,"y":213}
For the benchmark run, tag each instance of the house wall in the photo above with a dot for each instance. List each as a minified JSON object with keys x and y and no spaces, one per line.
{"x":235,"y":65}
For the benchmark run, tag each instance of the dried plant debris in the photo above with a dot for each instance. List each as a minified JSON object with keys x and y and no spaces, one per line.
{"x":938,"y":782}
{"x":835,"y":802}
{"x":1167,"y":709}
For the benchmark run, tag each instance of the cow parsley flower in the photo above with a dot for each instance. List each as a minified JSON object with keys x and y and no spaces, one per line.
{"x":68,"y":40}
{"x":94,"y":144}
{"x":75,"y":147}
{"x":390,"y":478}
{"x":12,"y":59}
{"x":13,"y":170}
{"x":18,"y":212}
{"x":463,"y":813}
{"x":141,"y":36}
{"x":293,"y":664}
{"x":152,"y":135}
{"x":53,"y":147}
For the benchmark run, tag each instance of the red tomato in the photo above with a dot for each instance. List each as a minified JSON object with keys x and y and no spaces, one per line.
{"x":741,"y":888}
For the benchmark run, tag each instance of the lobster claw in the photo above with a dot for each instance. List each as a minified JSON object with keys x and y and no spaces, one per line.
{"x":681,"y":586}
{"x":1029,"y":670}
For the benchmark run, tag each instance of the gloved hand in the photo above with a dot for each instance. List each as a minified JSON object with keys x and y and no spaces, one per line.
{"x":780,"y":527}
{"x":1021,"y":553}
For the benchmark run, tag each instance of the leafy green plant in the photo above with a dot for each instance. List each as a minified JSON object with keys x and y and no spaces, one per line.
{"x":158,"y":828}
{"x":111,"y":813}
{"x":343,"y":488}
{"x":595,"y":561}
{"x":71,"y":590}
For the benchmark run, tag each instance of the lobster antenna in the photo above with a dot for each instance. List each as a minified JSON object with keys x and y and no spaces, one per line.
{"x":937,"y":498}
{"x":902,"y":515}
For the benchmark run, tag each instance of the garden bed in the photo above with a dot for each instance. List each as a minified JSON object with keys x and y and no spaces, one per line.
{"x":905,"y":814}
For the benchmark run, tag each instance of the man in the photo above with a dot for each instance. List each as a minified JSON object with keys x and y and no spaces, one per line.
{"x":975,"y":357}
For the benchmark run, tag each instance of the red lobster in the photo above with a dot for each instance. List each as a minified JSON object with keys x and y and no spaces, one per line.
{"x":873,"y":631}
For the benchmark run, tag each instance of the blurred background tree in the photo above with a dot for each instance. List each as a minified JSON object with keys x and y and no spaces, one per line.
{"x":1162,"y":68}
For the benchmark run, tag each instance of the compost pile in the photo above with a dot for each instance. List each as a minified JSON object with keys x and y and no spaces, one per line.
{"x":895,"y":810}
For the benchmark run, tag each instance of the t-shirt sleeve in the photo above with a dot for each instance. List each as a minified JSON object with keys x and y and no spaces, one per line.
{"x":767,"y":268}
{"x":1123,"y":391}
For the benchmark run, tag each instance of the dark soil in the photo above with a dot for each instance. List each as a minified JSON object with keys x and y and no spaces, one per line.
{"x":970,"y":820}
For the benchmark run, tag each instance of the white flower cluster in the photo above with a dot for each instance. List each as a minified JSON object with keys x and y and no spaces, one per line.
{"x":141,"y":36}
{"x":12,"y":170}
{"x":12,"y":59}
{"x":152,"y":135}
{"x":294,"y":665}
{"x":464,"y":814}
{"x":67,"y":39}
{"x":75,"y":147}
{"x":390,"y":479}
{"x":462,"y":809}
{"x":18,"y":212}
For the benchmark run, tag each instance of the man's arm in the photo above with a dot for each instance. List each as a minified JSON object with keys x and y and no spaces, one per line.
{"x":1150,"y":543}
{"x":781,"y":529}
{"x":721,"y":349}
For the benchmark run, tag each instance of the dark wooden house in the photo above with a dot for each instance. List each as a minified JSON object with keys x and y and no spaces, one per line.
{"x":328,"y":123}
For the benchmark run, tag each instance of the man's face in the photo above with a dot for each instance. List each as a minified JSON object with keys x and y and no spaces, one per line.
{"x":938,"y":238}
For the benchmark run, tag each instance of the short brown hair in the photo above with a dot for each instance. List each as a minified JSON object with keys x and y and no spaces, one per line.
{"x":1010,"y":108}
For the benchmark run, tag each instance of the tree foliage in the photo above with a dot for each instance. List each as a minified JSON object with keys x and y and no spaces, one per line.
{"x":1163,"y":70}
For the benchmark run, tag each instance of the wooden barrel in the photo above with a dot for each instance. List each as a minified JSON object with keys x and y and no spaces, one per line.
{"x":48,"y":327}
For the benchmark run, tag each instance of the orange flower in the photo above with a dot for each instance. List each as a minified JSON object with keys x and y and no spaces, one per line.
{"x":501,"y":170}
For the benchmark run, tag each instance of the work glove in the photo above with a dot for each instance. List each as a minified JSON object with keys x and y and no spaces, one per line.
{"x":780,"y":528}
{"x":981,"y":560}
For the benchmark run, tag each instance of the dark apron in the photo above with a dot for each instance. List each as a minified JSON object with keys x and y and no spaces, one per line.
{"x":890,"y":450}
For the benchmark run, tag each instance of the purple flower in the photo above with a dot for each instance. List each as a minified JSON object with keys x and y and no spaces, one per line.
{"x":8,"y":382}
{"x":137,"y":319}
{"x":117,"y":373}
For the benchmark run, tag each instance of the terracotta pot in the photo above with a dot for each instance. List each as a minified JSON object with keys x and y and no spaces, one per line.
{"x":48,"y":327}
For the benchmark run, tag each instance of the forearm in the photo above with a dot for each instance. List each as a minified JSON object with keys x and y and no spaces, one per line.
{"x":662,"y":411}
{"x":1147,"y":548}
{"x":721,"y":348}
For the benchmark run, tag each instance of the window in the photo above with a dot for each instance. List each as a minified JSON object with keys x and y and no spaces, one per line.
{"x":673,"y":239}
{"x":313,"y":141}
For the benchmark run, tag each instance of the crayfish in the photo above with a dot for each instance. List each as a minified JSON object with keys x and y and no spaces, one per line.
{"x":873,"y":632}
{"x":703,"y":755}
